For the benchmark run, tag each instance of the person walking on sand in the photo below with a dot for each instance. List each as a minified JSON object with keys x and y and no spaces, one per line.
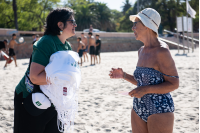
{"x":98,"y":48}
{"x":11,"y":50}
{"x":81,"y":47}
{"x":85,"y":41}
{"x":91,"y":47}
{"x":155,"y":76}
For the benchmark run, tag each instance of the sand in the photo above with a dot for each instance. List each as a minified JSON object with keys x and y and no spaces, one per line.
{"x":101,"y":108}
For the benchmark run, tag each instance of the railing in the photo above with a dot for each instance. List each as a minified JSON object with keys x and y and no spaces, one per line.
{"x":175,"y":34}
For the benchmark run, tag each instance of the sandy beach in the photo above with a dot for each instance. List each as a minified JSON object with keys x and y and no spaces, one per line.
{"x":101,"y":108}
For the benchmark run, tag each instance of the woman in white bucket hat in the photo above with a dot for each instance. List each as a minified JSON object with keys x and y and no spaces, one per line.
{"x":155,"y":76}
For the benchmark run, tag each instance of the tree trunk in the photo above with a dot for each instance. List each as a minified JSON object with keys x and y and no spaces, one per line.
{"x":15,"y":13}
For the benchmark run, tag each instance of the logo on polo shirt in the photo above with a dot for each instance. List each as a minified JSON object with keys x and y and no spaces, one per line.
{"x":38,"y":103}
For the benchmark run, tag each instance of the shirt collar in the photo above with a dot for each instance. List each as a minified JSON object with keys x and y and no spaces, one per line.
{"x":57,"y":40}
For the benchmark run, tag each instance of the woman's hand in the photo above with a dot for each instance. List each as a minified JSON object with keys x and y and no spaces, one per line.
{"x":116,"y":73}
{"x":138,"y":92}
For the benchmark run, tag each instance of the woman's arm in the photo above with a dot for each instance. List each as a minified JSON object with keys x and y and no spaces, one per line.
{"x":37,"y":74}
{"x":166,"y":65}
{"x":129,"y":78}
{"x":118,"y":73}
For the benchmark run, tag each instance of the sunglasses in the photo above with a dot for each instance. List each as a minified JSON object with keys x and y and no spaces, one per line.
{"x":135,"y":23}
{"x":72,"y":21}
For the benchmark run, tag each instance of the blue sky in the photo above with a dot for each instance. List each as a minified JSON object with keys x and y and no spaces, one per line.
{"x":113,"y":4}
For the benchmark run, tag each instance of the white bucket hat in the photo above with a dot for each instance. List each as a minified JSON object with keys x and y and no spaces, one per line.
{"x":149,"y":17}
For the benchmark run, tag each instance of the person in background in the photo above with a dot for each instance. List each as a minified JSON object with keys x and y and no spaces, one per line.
{"x":34,"y":37}
{"x":81,"y":47}
{"x":91,"y":29}
{"x":37,"y":37}
{"x":91,"y":47}
{"x":98,"y":48}
{"x":85,"y":41}
{"x":11,"y":50}
{"x":3,"y":46}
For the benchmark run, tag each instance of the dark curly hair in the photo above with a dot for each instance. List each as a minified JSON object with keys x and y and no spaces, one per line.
{"x":79,"y":38}
{"x":55,"y":16}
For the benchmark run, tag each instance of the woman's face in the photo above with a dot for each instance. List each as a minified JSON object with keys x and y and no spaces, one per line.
{"x":69,"y":30}
{"x":139,"y":29}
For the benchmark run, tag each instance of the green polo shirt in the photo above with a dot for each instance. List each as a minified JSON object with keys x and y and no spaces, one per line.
{"x":42,"y":50}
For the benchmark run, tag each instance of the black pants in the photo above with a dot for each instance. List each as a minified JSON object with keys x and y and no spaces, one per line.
{"x":26,"y":123}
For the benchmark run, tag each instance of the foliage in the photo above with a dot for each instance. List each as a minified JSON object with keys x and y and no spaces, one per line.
{"x":126,"y":6}
{"x":90,"y":12}
{"x":115,"y":18}
{"x":168,"y":10}
{"x":32,"y":13}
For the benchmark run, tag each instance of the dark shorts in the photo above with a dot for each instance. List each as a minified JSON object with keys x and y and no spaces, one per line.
{"x":92,"y":50}
{"x":97,"y":51}
{"x":11,"y":52}
{"x":26,"y":123}
{"x":80,"y":53}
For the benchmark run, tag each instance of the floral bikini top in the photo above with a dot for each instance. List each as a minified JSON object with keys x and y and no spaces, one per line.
{"x":149,"y":76}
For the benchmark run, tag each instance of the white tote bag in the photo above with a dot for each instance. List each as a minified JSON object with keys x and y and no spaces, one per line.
{"x":64,"y":76}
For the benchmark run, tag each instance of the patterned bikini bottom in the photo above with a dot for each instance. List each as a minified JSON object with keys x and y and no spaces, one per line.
{"x":153,"y":104}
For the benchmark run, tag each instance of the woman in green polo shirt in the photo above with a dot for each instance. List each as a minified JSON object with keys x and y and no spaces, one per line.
{"x":60,"y":25}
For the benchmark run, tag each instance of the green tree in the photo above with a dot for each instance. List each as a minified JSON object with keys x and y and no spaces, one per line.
{"x":168,"y":10}
{"x":31,"y":14}
{"x":125,"y":23}
{"x":104,"y":17}
{"x":126,"y":6}
{"x":116,"y":15}
{"x":15,"y":13}
{"x":85,"y":14}
{"x":90,"y":12}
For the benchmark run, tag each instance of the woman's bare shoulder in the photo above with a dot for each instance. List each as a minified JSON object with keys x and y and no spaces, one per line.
{"x":163,"y":51}
{"x":163,"y":45}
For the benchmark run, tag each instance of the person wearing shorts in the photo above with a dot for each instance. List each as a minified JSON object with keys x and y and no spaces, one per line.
{"x":81,"y":47}
{"x":92,"y":46}
{"x":98,"y":48}
{"x":11,"y":49}
{"x":84,"y":40}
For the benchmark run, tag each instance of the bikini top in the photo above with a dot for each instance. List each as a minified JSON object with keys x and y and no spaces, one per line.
{"x":149,"y":76}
